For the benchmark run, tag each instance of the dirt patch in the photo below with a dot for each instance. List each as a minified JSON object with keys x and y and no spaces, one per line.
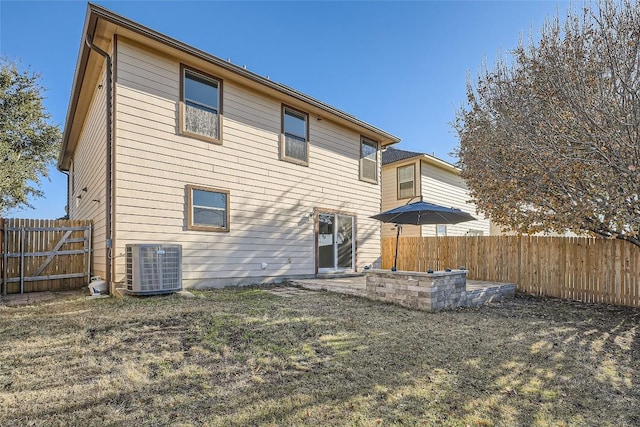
{"x":14,"y":300}
{"x":244,"y":356}
{"x":288,"y":291}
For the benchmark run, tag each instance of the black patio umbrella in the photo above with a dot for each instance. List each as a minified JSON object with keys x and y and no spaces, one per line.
{"x":421,"y":213}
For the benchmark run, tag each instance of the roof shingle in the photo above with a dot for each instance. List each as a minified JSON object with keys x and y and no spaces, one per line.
{"x":391,"y":155}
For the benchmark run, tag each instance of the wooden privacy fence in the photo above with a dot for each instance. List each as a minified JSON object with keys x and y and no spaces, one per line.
{"x":44,"y":255}
{"x":578,"y":268}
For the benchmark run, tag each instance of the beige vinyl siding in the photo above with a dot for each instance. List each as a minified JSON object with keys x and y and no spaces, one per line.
{"x":447,"y":188}
{"x":89,"y":163}
{"x":390,"y":197}
{"x":270,"y":200}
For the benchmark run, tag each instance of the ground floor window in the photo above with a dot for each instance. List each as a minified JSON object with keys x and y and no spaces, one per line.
{"x":207,"y":209}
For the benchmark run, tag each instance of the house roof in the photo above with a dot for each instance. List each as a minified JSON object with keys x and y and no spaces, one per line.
{"x":102,"y":24}
{"x":392,"y":155}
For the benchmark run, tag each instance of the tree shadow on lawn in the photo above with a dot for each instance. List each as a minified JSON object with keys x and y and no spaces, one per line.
{"x":245,"y":357}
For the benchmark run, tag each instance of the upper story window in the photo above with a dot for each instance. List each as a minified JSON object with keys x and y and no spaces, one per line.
{"x":406,"y":181}
{"x":201,"y":105}
{"x":207,"y":209}
{"x":368,"y":160}
{"x":295,"y":136}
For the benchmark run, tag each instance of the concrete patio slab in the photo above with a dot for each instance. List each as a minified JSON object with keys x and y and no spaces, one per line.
{"x":353,"y":285}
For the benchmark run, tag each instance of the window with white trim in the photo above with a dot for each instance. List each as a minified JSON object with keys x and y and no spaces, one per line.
{"x":406,"y":181}
{"x":207,"y":209}
{"x":295,"y":136}
{"x":201,"y":105}
{"x":368,"y":160}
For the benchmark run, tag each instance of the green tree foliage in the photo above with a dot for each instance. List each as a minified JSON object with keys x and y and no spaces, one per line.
{"x":28,"y":144}
{"x":550,"y":137}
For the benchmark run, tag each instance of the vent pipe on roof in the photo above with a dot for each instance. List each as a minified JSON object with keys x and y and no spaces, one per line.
{"x":109,"y":151}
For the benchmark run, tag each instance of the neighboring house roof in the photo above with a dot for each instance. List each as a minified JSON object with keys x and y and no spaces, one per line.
{"x":101,"y":24}
{"x":392,"y":155}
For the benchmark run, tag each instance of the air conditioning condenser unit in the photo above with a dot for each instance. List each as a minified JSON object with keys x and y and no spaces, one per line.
{"x":153,"y":268}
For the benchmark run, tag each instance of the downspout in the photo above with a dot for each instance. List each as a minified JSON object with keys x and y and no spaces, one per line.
{"x":68,"y":193}
{"x":109,"y":171}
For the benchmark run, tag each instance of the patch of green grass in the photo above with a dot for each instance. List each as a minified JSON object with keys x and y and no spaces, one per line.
{"x":243,"y":356}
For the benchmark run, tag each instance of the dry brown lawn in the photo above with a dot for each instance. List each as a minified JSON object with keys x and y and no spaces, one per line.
{"x":244,"y":356}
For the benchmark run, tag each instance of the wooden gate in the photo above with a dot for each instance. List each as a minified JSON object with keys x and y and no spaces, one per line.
{"x":44,"y":255}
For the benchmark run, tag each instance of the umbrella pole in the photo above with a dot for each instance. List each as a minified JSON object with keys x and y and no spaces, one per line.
{"x":419,"y":256}
{"x":395,"y":260}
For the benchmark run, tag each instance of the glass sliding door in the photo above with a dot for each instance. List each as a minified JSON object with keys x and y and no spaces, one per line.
{"x":336,"y":239}
{"x":326,"y":232}
{"x":344,"y":242}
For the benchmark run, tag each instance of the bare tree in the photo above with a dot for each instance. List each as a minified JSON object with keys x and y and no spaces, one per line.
{"x":550,"y":141}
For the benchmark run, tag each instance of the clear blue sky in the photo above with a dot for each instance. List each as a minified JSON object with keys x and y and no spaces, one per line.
{"x":400,"y":66}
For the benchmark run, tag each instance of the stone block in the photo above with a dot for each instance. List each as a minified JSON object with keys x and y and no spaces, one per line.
{"x":414,"y":288}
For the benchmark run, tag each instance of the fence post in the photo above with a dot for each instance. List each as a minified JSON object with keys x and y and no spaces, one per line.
{"x":87,"y":247}
{"x":519,"y":261}
{"x":3,"y":266}
{"x":22,"y":239}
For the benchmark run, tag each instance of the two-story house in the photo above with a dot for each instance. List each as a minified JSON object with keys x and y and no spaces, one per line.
{"x":165,"y":143}
{"x":408,"y":176}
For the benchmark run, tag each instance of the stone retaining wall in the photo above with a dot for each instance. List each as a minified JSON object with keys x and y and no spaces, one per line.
{"x":489,"y":294}
{"x":430,"y":291}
